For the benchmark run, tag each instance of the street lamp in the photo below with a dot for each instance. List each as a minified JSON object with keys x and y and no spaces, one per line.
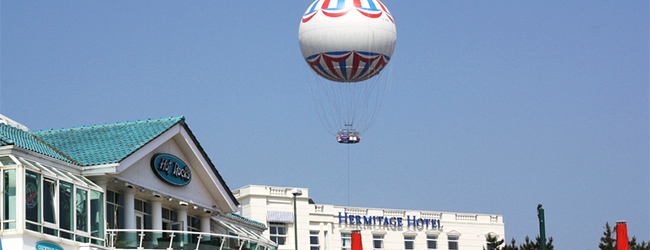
{"x":295,"y":192}
{"x":542,"y":226}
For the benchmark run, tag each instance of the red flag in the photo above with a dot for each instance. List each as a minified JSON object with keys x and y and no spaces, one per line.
{"x":356,"y":241}
{"x":621,"y":236}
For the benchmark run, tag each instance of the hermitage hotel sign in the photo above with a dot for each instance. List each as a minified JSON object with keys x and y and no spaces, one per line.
{"x":411,"y":221}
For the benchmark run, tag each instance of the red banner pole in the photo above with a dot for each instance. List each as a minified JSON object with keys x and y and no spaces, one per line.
{"x":622,"y":242}
{"x":356,"y":241}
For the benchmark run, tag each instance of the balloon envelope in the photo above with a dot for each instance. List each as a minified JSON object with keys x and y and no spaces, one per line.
{"x":347,"y":40}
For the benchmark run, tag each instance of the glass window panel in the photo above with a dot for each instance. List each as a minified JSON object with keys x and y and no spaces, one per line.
{"x":432,"y":242}
{"x":166,"y":214}
{"x":409,"y":242}
{"x":110,"y":196}
{"x":147,"y":207}
{"x":282,"y":230}
{"x":71,"y":176}
{"x":110,"y":216}
{"x":378,"y":241}
{"x":278,"y":233}
{"x":22,"y":161}
{"x":9,"y":196}
{"x":66,"y":215}
{"x":49,"y":191}
{"x":32,"y":196}
{"x":6,"y":161}
{"x":96,"y":214}
{"x":346,"y":241}
{"x":59,"y":174}
{"x":313,"y":238}
{"x":138,"y":205}
{"x":85,"y":180}
{"x":40,"y":167}
{"x":114,"y":216}
{"x":82,"y":210}
{"x":148,"y":223}
{"x":453,"y":243}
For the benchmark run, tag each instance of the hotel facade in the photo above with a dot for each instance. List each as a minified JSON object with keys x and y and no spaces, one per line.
{"x":295,"y":221}
{"x":133,"y":185}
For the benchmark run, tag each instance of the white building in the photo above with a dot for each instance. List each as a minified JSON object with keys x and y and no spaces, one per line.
{"x":328,"y":227}
{"x":132,"y":185}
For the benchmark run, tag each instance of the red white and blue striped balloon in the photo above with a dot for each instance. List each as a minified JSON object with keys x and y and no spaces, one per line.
{"x":347,"y":40}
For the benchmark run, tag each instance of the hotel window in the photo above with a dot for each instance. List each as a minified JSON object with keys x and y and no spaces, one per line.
{"x":278,"y":233}
{"x":346,"y":241}
{"x":314,"y":243}
{"x":377,"y":242}
{"x":432,"y":242}
{"x":453,"y":242}
{"x":409,"y":242}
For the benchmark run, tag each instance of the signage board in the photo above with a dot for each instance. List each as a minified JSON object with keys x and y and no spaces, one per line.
{"x":45,"y":245}
{"x":171,"y":169}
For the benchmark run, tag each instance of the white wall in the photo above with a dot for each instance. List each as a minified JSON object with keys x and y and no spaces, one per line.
{"x":473,"y":228}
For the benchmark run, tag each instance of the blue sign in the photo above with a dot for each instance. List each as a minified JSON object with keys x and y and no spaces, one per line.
{"x":44,"y":245}
{"x":171,"y":169}
{"x":389,"y":221}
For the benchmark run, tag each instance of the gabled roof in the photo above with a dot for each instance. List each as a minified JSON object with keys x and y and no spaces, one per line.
{"x":112,"y":143}
{"x":107,"y":143}
{"x":10,"y":135}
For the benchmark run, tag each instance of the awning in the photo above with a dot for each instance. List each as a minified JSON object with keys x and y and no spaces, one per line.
{"x":279,"y":216}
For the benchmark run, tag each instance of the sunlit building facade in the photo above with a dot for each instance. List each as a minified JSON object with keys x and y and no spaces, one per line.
{"x":329,"y":227}
{"x":133,"y":185}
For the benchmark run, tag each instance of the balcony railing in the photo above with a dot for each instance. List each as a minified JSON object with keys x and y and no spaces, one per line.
{"x":182,"y":240}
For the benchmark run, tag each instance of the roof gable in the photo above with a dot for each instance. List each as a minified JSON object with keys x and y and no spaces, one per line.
{"x":107,"y":143}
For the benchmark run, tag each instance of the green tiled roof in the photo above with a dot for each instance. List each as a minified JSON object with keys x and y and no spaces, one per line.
{"x":107,"y":143}
{"x":99,"y":144}
{"x":12,"y":136}
{"x":242,"y":218}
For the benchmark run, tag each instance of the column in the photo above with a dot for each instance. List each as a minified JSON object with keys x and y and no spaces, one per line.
{"x":205,"y":225}
{"x":156,"y":213}
{"x":129,"y":216}
{"x":181,"y":214}
{"x":129,"y":208}
{"x":156,"y":218}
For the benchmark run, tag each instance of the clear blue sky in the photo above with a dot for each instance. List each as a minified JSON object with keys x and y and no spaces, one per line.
{"x":494,"y":106}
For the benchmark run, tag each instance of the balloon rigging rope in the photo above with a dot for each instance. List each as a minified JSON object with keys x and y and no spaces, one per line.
{"x":348,"y":175}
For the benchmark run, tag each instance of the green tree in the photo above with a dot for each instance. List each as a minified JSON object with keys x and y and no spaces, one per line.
{"x":638,"y":246}
{"x":493,"y":242}
{"x":535,"y":245}
{"x":512,"y":246}
{"x":607,"y":241}
{"x":549,"y":243}
{"x":528,"y":245}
